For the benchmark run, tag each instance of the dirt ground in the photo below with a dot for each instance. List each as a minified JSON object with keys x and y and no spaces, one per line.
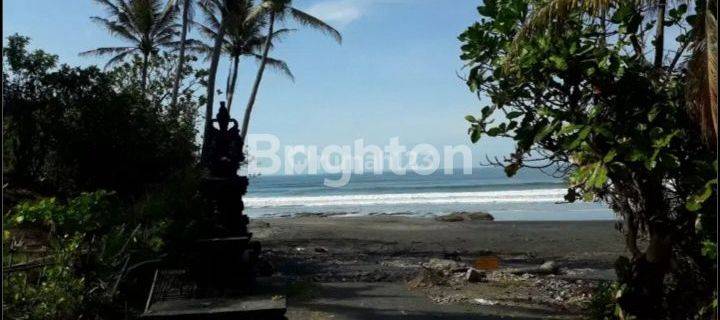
{"x":370,"y":267}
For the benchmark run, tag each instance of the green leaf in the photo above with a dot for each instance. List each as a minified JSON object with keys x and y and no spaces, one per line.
{"x":494,"y":131}
{"x":486,"y":111}
{"x":610,"y":156}
{"x":513,"y":114}
{"x":512,"y":169}
{"x":581,"y":136}
{"x":549,"y":128}
{"x":653,"y":113}
{"x":470,"y":118}
{"x":475,"y":135}
{"x":558,"y":62}
{"x":696,"y":201}
{"x":600,"y":177}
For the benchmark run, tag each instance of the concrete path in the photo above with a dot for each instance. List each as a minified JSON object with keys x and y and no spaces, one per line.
{"x":391,"y":301}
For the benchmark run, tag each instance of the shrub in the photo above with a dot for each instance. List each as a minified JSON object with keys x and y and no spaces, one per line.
{"x":89,"y":251}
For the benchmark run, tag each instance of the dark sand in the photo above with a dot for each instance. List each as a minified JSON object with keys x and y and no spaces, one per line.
{"x":358,"y":267}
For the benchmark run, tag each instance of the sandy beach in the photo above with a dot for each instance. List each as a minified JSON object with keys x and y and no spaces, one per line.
{"x":372,"y":267}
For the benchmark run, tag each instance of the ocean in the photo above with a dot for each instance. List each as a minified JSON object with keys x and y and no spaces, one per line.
{"x":530,"y":195}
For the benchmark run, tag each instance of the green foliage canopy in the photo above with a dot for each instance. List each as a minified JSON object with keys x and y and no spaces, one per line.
{"x":69,"y":129}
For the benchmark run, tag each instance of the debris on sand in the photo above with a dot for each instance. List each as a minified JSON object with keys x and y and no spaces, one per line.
{"x":475,"y":275}
{"x":427,"y":278}
{"x":465,"y":216}
{"x":540,"y":286}
{"x":446,"y":266}
{"x":484,"y":302}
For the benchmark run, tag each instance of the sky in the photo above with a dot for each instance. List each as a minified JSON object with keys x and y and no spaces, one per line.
{"x":394,"y":75}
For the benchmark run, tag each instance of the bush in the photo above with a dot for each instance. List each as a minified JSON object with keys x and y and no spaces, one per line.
{"x":54,"y":283}
{"x":75,"y":250}
{"x":69,"y":130}
{"x":602,"y":305}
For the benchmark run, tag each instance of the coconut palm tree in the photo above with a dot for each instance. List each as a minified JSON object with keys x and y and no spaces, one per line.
{"x":702,"y":64}
{"x":147,"y":25}
{"x":279,"y":10}
{"x":187,"y":7}
{"x":243,"y":37}
{"x":222,"y":9}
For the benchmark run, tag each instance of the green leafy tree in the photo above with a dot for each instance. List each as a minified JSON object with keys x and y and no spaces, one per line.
{"x":571,"y":85}
{"x":147,"y":25}
{"x":701,"y":39}
{"x":69,"y":130}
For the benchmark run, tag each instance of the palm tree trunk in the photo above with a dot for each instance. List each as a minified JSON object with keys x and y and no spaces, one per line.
{"x":229,"y":78}
{"x":660,"y":33}
{"x":143,"y":81}
{"x":258,"y":78}
{"x":211,"y":87}
{"x":231,"y":88}
{"x":181,"y":54}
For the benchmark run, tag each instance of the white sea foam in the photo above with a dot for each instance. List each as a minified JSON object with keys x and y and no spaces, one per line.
{"x":509,"y":196}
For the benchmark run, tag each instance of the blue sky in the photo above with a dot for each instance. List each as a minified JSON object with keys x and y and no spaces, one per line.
{"x":393,"y":76}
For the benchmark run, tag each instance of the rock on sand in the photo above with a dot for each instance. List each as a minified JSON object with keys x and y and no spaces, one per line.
{"x":466,"y":216}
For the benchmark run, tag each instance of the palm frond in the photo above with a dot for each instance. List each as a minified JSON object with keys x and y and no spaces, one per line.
{"x":148,"y":24}
{"x":110,"y":6}
{"x":211,"y":13}
{"x":280,"y":33}
{"x":258,"y":12}
{"x":116,"y":29}
{"x":118,"y":58}
{"x":105,"y":51}
{"x":702,"y":78}
{"x":119,"y":52}
{"x":278,"y":65}
{"x":166,"y":20}
{"x":310,"y":21}
{"x":553,"y":12}
{"x":190,"y":44}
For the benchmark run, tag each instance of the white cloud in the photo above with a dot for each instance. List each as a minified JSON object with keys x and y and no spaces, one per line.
{"x":337,"y":13}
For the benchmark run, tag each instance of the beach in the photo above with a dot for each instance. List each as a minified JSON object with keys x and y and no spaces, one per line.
{"x":371,"y":267}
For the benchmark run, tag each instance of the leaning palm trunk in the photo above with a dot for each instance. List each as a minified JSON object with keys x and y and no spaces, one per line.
{"x":211,"y":88}
{"x":660,"y":33}
{"x":258,"y":78}
{"x":233,"y":81}
{"x":143,"y":81}
{"x":181,"y":54}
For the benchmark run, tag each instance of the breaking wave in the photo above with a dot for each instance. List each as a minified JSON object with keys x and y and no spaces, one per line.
{"x":504,"y":196}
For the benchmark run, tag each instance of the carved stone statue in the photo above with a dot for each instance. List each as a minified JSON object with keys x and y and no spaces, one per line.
{"x":222,"y":186}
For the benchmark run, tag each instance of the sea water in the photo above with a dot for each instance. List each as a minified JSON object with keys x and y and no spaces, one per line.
{"x":530,"y":195}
